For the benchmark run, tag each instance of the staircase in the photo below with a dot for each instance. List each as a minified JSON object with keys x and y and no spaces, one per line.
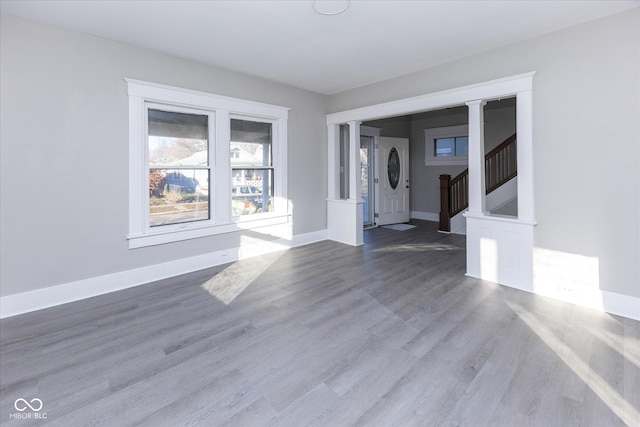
{"x":500,"y":169}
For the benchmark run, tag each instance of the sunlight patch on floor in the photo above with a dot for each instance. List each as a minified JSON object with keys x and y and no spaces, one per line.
{"x":617,"y":403}
{"x":616,"y":342}
{"x":418,"y":247}
{"x":228,"y":284}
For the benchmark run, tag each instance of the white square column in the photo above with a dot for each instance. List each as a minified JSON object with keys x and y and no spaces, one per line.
{"x":524,"y":128}
{"x":477,"y":186}
{"x":500,"y":249}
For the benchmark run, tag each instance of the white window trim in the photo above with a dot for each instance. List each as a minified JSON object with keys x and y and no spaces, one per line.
{"x":222,"y":221}
{"x":430,"y":135}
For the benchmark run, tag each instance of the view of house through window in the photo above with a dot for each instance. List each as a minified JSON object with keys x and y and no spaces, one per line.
{"x":251,"y":167}
{"x":178,"y":145}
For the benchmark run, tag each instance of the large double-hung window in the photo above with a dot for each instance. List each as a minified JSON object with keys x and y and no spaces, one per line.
{"x":202,"y":164}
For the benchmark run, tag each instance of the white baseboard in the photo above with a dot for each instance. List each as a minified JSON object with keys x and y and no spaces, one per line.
{"x":458,"y":224}
{"x":607,"y":301}
{"x":621,"y":305}
{"x":575,"y":278}
{"x":308,"y":238}
{"x":25,"y":302}
{"x":425,"y":216}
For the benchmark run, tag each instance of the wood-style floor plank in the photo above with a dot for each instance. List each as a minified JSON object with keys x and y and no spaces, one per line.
{"x":391,"y":333}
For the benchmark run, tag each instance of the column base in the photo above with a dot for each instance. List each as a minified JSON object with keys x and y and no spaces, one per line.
{"x":500,"y":250}
{"x":344,"y":221}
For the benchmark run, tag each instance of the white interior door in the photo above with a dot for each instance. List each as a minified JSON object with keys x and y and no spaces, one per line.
{"x":393,"y":180}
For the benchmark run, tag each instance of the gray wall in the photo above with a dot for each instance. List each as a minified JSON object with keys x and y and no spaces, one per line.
{"x":396,"y":127}
{"x":64,"y":153}
{"x":586,"y":132}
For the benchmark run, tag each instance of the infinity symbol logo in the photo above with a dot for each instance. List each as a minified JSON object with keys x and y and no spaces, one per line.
{"x":24,"y":404}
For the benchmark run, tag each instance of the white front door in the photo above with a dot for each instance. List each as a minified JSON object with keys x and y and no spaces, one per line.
{"x":393,"y":180}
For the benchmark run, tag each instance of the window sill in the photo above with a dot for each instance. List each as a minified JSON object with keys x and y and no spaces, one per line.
{"x":154,"y":238}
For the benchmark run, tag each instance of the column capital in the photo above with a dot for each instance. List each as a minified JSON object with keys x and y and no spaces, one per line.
{"x":354,"y":123}
{"x":479,"y":102}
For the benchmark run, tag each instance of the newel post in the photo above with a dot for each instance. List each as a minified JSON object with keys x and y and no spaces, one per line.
{"x":445,"y":220}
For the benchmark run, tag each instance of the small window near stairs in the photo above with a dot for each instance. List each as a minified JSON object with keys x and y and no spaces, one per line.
{"x":446,"y":146}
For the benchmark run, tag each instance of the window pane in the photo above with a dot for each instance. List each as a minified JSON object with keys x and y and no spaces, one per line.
{"x":462,"y":146}
{"x":251,"y":191}
{"x":177,"y":139}
{"x":445,"y":147}
{"x":178,"y":195}
{"x":250,"y":143}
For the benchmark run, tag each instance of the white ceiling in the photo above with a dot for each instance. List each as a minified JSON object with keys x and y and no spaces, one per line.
{"x":287,"y":41}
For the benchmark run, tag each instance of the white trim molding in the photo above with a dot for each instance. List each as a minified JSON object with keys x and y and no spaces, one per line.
{"x":493,"y":89}
{"x":25,"y":302}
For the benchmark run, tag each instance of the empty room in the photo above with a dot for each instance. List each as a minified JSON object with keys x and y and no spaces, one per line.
{"x":320,"y":213}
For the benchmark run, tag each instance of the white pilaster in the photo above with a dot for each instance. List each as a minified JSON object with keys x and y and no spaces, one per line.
{"x":477,"y":186}
{"x":524,"y":128}
{"x":355,"y":183}
{"x":344,"y":217}
{"x":333,"y":161}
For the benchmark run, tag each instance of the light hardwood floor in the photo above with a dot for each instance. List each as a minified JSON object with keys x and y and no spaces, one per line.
{"x":388,"y":334}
